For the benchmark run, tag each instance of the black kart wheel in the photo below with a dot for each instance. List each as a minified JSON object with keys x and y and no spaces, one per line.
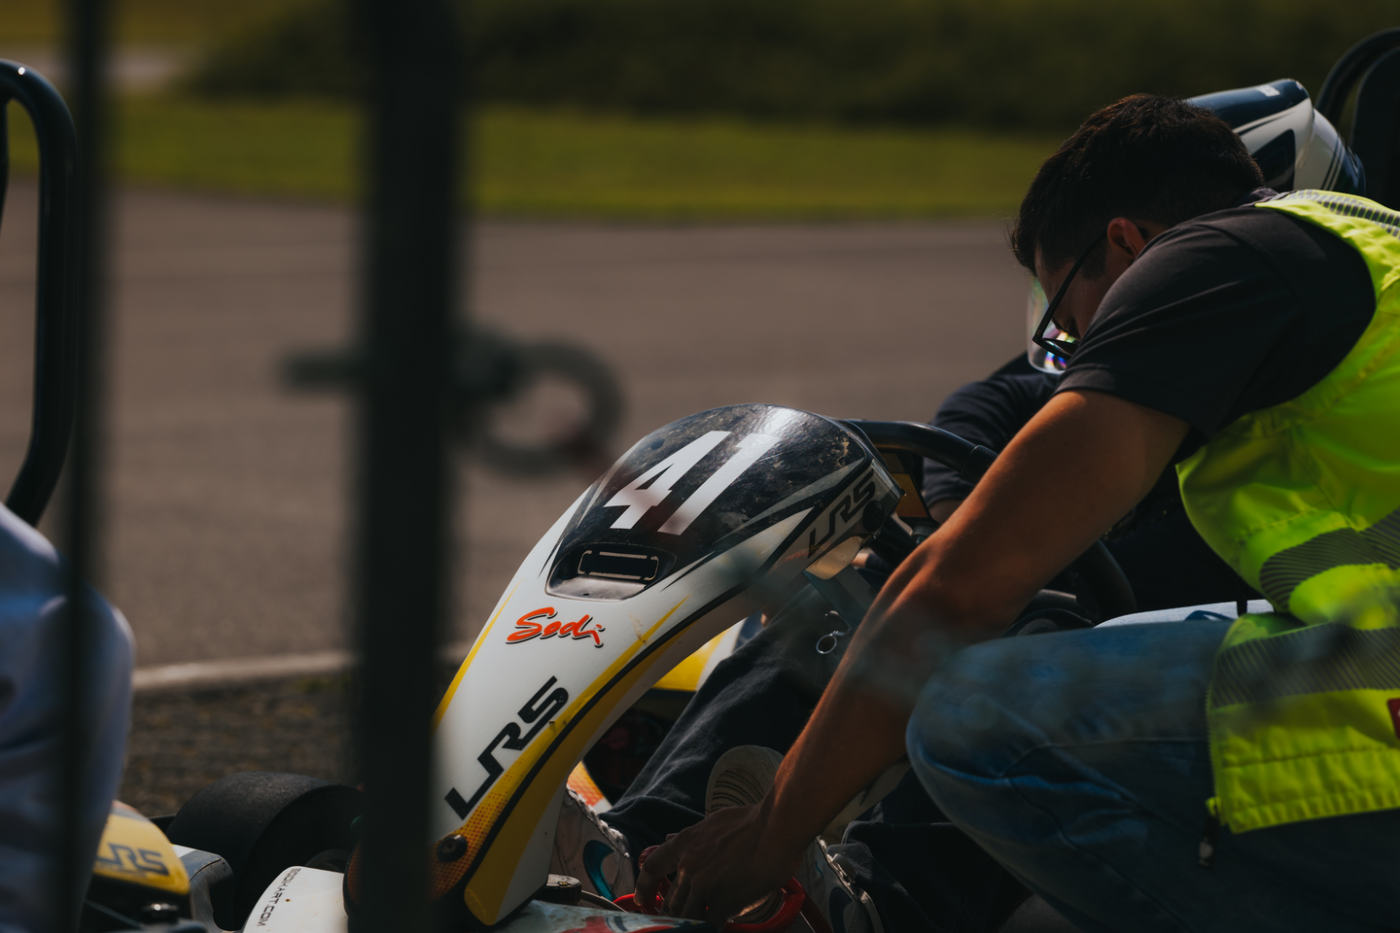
{"x":263,"y":822}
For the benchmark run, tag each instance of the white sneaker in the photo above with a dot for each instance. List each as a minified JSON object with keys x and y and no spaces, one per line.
{"x":590,"y":850}
{"x":847,"y":908}
{"x":740,"y":778}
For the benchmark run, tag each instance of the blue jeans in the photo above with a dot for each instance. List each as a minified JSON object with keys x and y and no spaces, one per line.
{"x":1079,"y":761}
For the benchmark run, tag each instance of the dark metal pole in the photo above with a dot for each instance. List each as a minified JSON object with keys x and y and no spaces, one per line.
{"x":87,"y":50}
{"x":54,"y":335}
{"x":399,"y":568}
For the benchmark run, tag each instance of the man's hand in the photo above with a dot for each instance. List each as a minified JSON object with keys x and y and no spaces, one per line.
{"x":720,"y":866}
{"x":1075,"y":469}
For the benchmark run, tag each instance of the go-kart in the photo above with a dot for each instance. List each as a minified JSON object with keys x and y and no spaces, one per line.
{"x":701,"y":524}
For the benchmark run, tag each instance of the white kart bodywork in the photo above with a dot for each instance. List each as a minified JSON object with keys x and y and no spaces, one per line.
{"x":308,"y":900}
{"x":557,"y":663}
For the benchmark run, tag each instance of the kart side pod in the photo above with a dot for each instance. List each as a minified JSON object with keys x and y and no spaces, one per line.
{"x":695,"y":527}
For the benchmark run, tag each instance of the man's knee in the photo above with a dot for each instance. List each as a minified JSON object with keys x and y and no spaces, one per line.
{"x":993,"y":704}
{"x":964,"y":721}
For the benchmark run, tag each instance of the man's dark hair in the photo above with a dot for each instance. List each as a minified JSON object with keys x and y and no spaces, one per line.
{"x":1145,"y":158}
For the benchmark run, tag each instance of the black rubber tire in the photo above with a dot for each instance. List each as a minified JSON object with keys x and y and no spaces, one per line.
{"x":263,"y":822}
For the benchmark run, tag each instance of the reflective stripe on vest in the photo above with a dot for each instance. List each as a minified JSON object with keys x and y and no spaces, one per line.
{"x":1303,"y":500}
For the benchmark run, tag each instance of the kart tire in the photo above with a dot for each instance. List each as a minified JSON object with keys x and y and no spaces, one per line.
{"x":263,"y":822}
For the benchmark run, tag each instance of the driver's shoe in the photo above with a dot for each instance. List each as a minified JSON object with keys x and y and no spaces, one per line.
{"x":740,"y":778}
{"x":590,"y":850}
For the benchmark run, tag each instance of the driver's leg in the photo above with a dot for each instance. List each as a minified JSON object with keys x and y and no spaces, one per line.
{"x":1080,"y":761}
{"x":762,"y":694}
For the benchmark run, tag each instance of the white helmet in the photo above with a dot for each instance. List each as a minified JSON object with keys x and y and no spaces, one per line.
{"x":1295,"y":146}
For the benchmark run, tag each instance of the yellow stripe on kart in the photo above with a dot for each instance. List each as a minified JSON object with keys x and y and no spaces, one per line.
{"x":685,"y":676}
{"x":487,"y":889}
{"x":134,"y":850}
{"x":480,"y":640}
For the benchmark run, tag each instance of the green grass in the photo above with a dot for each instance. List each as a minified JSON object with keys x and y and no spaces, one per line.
{"x":563,"y":164}
{"x":285,"y":150}
{"x":550,"y":164}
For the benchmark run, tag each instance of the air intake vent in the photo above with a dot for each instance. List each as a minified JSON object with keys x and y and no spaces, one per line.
{"x":608,"y":571}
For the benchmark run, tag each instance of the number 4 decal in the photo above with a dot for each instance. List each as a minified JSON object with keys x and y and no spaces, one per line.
{"x":750,"y":449}
{"x":652,"y":487}
{"x":660,"y":478}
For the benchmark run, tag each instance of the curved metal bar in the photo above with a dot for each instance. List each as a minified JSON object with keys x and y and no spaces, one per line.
{"x":55,"y":330}
{"x":1349,"y":69}
{"x":1375,"y":127}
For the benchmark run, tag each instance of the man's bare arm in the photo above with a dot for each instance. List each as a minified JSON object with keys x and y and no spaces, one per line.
{"x":1076,"y":468}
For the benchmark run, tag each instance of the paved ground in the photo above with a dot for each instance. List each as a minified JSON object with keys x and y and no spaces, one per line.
{"x":228,"y":493}
{"x":182,"y":741}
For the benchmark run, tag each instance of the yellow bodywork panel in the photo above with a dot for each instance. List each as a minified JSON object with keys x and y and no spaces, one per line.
{"x":135,"y":851}
{"x":686,"y":675}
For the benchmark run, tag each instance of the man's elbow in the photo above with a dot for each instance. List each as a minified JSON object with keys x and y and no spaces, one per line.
{"x":969,"y":604}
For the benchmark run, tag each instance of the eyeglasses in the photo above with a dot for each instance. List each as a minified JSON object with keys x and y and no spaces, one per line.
{"x":1057,"y":345}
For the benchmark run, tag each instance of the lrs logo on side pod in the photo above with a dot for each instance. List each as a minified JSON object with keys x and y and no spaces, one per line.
{"x":532,"y":625}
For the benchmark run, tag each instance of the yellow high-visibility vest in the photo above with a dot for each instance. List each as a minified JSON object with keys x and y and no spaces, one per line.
{"x":1302,"y":499}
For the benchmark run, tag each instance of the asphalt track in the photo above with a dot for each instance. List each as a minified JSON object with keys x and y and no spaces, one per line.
{"x":229,"y":495}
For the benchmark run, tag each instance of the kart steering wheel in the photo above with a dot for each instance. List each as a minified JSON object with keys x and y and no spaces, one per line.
{"x":1100,"y":573}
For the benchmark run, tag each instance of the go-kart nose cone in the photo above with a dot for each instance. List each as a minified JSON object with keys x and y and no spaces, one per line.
{"x":694,"y":528}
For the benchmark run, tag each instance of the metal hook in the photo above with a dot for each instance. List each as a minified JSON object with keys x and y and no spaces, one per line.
{"x":828,"y":642}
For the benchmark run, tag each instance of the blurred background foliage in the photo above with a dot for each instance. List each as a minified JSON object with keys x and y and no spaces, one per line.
{"x":30,"y":23}
{"x":1009,"y":64}
{"x":692,"y":109}
{"x":532,"y":163}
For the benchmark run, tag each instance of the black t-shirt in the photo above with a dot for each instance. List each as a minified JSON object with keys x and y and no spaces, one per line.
{"x":1226,"y":314}
{"x":1230,"y":313}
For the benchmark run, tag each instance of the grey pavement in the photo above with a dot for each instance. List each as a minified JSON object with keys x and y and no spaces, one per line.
{"x":229,"y":495}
